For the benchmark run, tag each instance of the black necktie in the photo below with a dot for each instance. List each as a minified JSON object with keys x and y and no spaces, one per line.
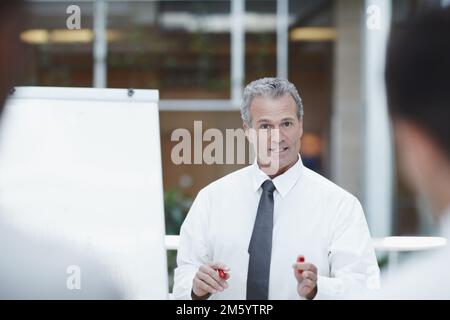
{"x":260,"y":247}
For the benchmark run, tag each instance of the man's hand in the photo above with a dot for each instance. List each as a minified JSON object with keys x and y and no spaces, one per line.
{"x":207,"y":280}
{"x":306,"y":275}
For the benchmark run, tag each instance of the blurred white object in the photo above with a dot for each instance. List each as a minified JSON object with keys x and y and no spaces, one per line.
{"x":172,"y":242}
{"x":81,"y":167}
{"x":394,"y":245}
{"x":423,"y":275}
{"x":408,"y":243}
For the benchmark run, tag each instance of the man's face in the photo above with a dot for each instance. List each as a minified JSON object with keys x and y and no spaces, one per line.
{"x":275,"y":119}
{"x":420,"y":161}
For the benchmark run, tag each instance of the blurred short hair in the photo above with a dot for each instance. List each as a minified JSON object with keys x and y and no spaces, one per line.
{"x":418,"y":74}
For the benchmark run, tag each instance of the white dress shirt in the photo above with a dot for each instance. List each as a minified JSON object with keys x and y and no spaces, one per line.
{"x":312,"y":217}
{"x":423,"y":276}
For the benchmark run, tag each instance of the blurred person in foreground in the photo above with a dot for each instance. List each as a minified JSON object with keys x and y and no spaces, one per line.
{"x":418,"y":90}
{"x":30,"y":267}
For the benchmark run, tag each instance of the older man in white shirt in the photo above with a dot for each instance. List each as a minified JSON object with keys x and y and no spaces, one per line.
{"x":244,"y":233}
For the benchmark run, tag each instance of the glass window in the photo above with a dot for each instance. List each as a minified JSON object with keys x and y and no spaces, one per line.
{"x":310,"y":69}
{"x":260,"y":39}
{"x":55,"y":55}
{"x":180,"y":47}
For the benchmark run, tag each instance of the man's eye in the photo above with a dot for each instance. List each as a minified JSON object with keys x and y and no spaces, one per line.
{"x":287,"y":124}
{"x":264,"y":126}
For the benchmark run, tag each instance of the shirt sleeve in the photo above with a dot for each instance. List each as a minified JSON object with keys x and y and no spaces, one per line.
{"x":193,"y":248}
{"x":353,"y":264}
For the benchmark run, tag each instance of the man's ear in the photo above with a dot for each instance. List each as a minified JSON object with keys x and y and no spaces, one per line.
{"x":245,"y":126}
{"x":300,"y":123}
{"x":409,"y":135}
{"x":250,"y":133}
{"x":416,"y":152}
{"x":418,"y":141}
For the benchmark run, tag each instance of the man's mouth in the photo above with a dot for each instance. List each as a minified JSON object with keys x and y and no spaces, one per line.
{"x":278,"y":150}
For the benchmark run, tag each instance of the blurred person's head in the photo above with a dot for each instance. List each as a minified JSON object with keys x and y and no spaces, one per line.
{"x":418,"y":91}
{"x":270,"y":104}
{"x":12,"y":17}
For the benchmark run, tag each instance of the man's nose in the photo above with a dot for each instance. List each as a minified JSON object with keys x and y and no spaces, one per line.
{"x":276,"y":135}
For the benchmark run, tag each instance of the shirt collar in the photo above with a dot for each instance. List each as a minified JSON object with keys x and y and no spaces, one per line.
{"x":283,"y":183}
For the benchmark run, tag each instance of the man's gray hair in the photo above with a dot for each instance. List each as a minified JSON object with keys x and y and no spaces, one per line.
{"x":268,"y":87}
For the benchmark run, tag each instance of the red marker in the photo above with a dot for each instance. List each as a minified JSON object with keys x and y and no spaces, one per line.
{"x":222,"y":273}
{"x":301,"y":259}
